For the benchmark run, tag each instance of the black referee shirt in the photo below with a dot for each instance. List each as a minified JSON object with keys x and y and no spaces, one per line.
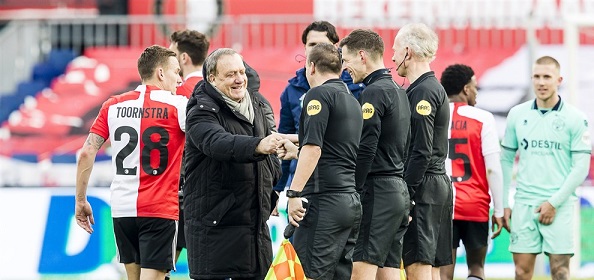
{"x":430,"y":113}
{"x":386,"y":128}
{"x":331,"y":119}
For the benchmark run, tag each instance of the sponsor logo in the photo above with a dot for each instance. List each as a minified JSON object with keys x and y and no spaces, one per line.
{"x":368,"y":111}
{"x":423,"y":108}
{"x":313,"y":107}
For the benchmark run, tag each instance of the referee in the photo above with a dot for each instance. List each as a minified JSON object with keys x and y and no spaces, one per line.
{"x":428,"y":240}
{"x":380,"y":159}
{"x":329,"y":134}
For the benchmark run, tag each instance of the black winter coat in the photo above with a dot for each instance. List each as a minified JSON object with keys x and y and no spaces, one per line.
{"x":228,"y":188}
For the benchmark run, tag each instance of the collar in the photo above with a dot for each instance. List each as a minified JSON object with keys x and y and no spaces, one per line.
{"x":557,"y":106}
{"x":375,"y":75}
{"x":420,"y":79}
{"x":193,"y":74}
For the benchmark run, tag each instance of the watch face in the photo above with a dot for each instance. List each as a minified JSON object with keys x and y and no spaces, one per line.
{"x":292,"y":193}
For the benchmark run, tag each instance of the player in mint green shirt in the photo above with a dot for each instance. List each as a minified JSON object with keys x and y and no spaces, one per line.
{"x":554,"y":147}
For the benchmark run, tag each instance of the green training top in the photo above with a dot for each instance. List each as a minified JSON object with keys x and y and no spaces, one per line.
{"x":546,"y":141}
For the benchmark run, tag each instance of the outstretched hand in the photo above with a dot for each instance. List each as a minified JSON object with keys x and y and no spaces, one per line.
{"x":286,"y":149}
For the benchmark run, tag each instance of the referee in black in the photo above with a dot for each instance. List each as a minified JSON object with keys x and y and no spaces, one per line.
{"x":329,"y":134}
{"x":380,"y":160}
{"x":428,"y":240}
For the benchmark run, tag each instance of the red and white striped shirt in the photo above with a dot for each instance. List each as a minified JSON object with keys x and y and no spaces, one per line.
{"x":146,"y":129}
{"x":190,"y":81}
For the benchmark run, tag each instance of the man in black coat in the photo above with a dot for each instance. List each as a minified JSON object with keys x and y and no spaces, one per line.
{"x":229,"y":174}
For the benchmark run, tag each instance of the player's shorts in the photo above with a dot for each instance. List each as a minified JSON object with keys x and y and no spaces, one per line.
{"x":531,"y":237}
{"x":385,"y":202}
{"x":474,"y":235}
{"x":428,"y":239}
{"x":325,"y":238}
{"x":149,"y":242}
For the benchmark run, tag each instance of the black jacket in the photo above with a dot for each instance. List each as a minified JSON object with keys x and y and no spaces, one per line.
{"x":228,"y":188}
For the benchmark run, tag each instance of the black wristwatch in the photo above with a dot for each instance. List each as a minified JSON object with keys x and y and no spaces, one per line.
{"x":292,"y":193}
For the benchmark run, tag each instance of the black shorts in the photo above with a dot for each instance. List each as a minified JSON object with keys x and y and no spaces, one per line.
{"x":475,"y":235}
{"x":149,"y":242}
{"x":325,"y":238}
{"x":428,"y":239}
{"x":385,"y":202}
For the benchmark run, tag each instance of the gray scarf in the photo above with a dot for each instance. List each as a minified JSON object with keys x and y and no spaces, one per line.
{"x":244,"y":107}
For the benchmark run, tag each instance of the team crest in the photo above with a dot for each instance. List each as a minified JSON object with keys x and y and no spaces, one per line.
{"x":423,"y":108}
{"x":313,"y":107}
{"x":558,"y":124}
{"x":368,"y":111}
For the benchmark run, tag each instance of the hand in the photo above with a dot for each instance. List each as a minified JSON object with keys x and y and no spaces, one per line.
{"x":547,"y":213}
{"x":268,"y":144}
{"x":286,"y":150}
{"x":496,"y":226}
{"x":83,"y":214}
{"x":295,"y":210}
{"x":506,"y":219}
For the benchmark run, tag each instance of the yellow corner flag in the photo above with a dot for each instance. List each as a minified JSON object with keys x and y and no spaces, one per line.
{"x":286,"y":264}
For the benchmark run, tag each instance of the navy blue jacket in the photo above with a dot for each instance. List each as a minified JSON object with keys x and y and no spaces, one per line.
{"x":291,"y":102}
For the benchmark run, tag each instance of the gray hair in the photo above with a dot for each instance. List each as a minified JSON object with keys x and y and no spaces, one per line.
{"x":420,"y":39}
{"x":213,"y":58}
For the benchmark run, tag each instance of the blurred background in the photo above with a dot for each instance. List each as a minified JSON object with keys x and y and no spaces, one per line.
{"x":61,"y":59}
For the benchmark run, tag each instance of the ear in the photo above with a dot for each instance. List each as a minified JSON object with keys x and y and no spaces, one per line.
{"x":211,"y":78}
{"x":161,"y":73}
{"x":312,"y":68}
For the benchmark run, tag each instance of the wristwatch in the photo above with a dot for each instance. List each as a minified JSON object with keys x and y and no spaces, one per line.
{"x":292,"y":193}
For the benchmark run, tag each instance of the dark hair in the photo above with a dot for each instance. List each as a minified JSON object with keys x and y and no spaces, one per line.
{"x":326,"y":58}
{"x":321,"y":26}
{"x":548,"y":60}
{"x":455,"y":77}
{"x":367,"y":40}
{"x":192,"y":42}
{"x":151,"y":58}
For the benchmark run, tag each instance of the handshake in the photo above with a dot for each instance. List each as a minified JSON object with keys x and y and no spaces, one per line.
{"x":283,"y":145}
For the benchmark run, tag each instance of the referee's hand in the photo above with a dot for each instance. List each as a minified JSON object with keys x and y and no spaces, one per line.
{"x":295,"y":210}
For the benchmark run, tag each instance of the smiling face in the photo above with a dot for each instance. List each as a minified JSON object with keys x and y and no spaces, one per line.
{"x":353,"y":63}
{"x":545,"y":80}
{"x":230,"y":79}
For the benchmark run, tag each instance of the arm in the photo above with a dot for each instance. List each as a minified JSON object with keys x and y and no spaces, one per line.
{"x":580,"y":165}
{"x":422,"y":144}
{"x":308,"y":160}
{"x":83,"y":212}
{"x":205,"y":132}
{"x":495,"y":180}
{"x":370,"y":135}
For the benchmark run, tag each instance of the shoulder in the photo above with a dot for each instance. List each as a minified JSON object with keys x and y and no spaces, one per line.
{"x":521,"y":108}
{"x":574,"y":112}
{"x":475,"y":113}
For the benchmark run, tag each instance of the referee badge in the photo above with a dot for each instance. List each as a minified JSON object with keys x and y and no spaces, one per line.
{"x":423,"y":108}
{"x":313,"y":107}
{"x":368,"y":111}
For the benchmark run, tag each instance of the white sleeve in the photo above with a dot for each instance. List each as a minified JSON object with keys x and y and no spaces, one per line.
{"x":181,"y":112}
{"x":495,"y":180}
{"x":489,"y":136}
